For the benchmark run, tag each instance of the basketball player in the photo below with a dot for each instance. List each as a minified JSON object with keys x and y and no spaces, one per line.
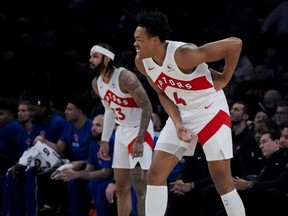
{"x":127,"y":104}
{"x":192,"y":96}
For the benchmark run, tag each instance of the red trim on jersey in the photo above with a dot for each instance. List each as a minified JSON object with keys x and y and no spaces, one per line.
{"x":213,"y":126}
{"x":124,"y":102}
{"x":148,"y":139}
{"x":200,"y":83}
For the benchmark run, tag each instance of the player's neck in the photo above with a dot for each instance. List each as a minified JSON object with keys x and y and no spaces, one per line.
{"x":106,"y":76}
{"x":159,"y":57}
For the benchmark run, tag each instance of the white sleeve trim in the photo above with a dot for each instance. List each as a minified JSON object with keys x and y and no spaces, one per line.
{"x":109,"y":123}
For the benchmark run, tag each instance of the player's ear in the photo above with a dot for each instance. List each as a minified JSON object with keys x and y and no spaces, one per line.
{"x":107,"y":60}
{"x":245,"y":117}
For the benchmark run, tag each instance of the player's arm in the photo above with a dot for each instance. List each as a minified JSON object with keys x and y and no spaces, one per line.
{"x":168,"y":105}
{"x":171,"y":109}
{"x":190,"y":56}
{"x":108,"y":126}
{"x":87,"y":174}
{"x":59,"y":147}
{"x":108,"y":123}
{"x":95,"y":86}
{"x":129,"y":82}
{"x":109,"y":118}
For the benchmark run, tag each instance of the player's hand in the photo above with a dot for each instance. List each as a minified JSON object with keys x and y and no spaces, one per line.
{"x":218,"y":79}
{"x":184,"y":134}
{"x":241,"y":184}
{"x":177,"y":187}
{"x":104,"y":151}
{"x":110,"y":192}
{"x":137,"y":150}
{"x":180,"y":188}
{"x":68,"y":174}
{"x":38,"y":138}
{"x":17,"y":169}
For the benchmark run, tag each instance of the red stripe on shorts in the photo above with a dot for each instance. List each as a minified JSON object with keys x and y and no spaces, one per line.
{"x":148,"y":139}
{"x":213,"y":126}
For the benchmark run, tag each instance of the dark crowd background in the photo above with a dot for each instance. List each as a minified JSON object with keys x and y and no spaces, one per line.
{"x":45,"y":44}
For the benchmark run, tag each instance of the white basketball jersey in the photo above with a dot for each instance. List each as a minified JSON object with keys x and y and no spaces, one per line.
{"x":185,"y":90}
{"x":124,"y":107}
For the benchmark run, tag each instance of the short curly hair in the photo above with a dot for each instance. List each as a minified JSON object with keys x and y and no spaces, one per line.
{"x":156,"y":24}
{"x":10,"y":104}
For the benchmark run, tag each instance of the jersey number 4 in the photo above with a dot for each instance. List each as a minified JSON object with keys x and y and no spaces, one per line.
{"x":178,"y":100}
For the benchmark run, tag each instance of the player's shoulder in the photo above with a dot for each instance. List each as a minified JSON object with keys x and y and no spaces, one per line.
{"x":186,"y":47}
{"x":94,"y":81}
{"x":180,"y":47}
{"x":127,"y":78}
{"x":125,"y":74}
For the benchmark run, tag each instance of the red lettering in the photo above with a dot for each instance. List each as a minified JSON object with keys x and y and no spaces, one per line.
{"x":110,"y":97}
{"x":199,"y":83}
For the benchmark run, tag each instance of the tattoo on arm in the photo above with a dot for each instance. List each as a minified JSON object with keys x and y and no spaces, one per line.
{"x":129,"y":82}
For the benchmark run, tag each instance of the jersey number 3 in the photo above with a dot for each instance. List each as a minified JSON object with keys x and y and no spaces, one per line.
{"x":118,"y":114}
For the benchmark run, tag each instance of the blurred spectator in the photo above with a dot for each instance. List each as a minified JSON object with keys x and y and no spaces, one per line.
{"x":269,"y":143}
{"x":267,"y":194}
{"x":272,"y":61}
{"x":73,"y":144}
{"x":244,"y":69}
{"x":90,"y":183}
{"x":261,"y":73}
{"x":271,"y":99}
{"x":258,"y":117}
{"x":12,"y":141}
{"x":281,"y":115}
{"x":243,"y":139}
{"x":276,"y":22}
{"x":263,"y":126}
{"x":23,"y":116}
{"x":275,"y":27}
{"x":22,"y":186}
{"x":237,"y":17}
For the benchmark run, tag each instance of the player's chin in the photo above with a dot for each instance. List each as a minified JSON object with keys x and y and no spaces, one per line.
{"x":138,"y":55}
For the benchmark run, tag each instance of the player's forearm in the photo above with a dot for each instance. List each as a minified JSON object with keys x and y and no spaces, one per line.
{"x":232,"y":57}
{"x":52,"y":145}
{"x":170,"y":108}
{"x":108,"y":125}
{"x":145,"y":119}
{"x":88,"y":175}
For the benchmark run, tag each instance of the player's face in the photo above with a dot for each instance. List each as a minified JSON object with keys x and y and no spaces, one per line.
{"x":267,"y":145}
{"x":97,"y":126}
{"x":5,"y":116}
{"x":237,"y":112}
{"x":144,"y":44}
{"x":96,"y":64}
{"x":35,"y":112}
{"x":284,"y":138}
{"x":72,"y":113}
{"x":23,"y":114}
